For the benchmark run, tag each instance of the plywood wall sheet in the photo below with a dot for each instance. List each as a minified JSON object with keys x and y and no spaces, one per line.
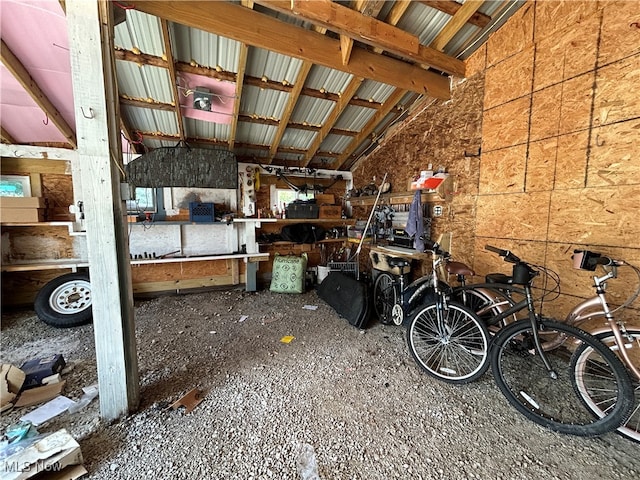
{"x":488,"y":262}
{"x":575,"y":110}
{"x":614,"y":100}
{"x":476,"y":63}
{"x":58,"y":190}
{"x":513,"y":37}
{"x":161,"y":272}
{"x":516,"y":216}
{"x":620,"y":34}
{"x":509,"y":79}
{"x":506,"y":125}
{"x":545,"y":114}
{"x":541,"y":165}
{"x":571,"y":160}
{"x":554,"y":15}
{"x":40,"y":243}
{"x":503,"y":171}
{"x":614,"y":159}
{"x":599,"y":216}
{"x":549,"y":62}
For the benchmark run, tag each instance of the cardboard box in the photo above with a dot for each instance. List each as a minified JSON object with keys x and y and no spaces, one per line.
{"x":22,"y":215}
{"x":325,"y":199}
{"x":11,"y":380}
{"x":330,"y":211}
{"x":22,"y":202}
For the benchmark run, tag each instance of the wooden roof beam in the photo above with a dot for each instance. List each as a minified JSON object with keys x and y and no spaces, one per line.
{"x":373,"y":32}
{"x":166,"y":44}
{"x":6,"y":137}
{"x":370,"y":8}
{"x":239,"y":23}
{"x":21,"y":74}
{"x":451,"y":7}
{"x":242,"y":66}
{"x":455,"y":23}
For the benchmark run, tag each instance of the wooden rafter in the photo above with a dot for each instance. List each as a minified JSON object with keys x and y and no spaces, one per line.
{"x":168,"y":51}
{"x":338,"y":108}
{"x":305,"y":68}
{"x":451,"y":7}
{"x":370,"y":8}
{"x":242,"y":65}
{"x":21,"y":74}
{"x":374,"y":32}
{"x":6,"y":137}
{"x":455,"y":23}
{"x":393,"y":99}
{"x":152,"y":60}
{"x":240,"y":23}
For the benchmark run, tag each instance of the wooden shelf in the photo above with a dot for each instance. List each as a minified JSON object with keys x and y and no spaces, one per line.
{"x":441,"y":194}
{"x":345,"y":221}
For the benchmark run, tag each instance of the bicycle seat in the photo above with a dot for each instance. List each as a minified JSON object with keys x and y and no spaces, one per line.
{"x":398,"y":262}
{"x":498,"y":278}
{"x":459,"y":268}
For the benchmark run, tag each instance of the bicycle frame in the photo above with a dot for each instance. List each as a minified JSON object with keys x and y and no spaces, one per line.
{"x":598,"y":307}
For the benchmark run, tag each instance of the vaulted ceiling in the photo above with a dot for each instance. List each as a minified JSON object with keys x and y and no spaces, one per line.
{"x":293,"y":83}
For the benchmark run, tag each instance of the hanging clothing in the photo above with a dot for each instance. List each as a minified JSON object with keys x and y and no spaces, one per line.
{"x":415,"y":222}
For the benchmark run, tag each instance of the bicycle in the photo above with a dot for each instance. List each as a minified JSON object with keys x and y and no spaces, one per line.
{"x":625,"y":342}
{"x":446,"y":339}
{"x":546,"y":369}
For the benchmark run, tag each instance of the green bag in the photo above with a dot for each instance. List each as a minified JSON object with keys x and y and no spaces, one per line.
{"x":288,"y":274}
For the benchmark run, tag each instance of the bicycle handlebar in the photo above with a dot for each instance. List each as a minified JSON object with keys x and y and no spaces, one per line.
{"x":506,"y":254}
{"x":434,"y":247}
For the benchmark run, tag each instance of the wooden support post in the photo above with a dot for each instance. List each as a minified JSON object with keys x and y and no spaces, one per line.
{"x":90,"y":27}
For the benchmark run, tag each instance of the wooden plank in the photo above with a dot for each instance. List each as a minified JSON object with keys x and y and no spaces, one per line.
{"x":506,"y":125}
{"x":241,"y":68}
{"x":597,"y":216}
{"x":455,"y":23}
{"x":90,"y":30}
{"x":6,"y":136}
{"x":34,"y":165}
{"x":168,"y":52}
{"x":509,"y":80}
{"x":613,"y":160}
{"x":37,"y":152}
{"x":545,"y":114}
{"x":503,"y":171}
{"x":13,"y":64}
{"x":516,"y":216}
{"x":239,"y":24}
{"x":175,"y":285}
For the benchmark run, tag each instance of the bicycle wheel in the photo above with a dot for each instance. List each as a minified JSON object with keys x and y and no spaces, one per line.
{"x":486,"y":304}
{"x":455,"y":348}
{"x":384,"y":297}
{"x":598,"y":400}
{"x":549,"y":399}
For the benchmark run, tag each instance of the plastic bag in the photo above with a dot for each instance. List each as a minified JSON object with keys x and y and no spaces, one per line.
{"x":306,"y":463}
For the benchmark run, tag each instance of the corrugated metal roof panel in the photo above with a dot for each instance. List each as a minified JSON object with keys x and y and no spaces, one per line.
{"x":355,"y":118}
{"x":140,"y":31}
{"x":296,"y":138}
{"x":206,"y":49}
{"x":313,"y":111}
{"x":263,"y":102}
{"x":375,"y":91}
{"x":255,"y":133}
{"x":335,"y":143}
{"x":331,"y":80}
{"x":423,"y":21}
{"x":273,"y":66}
{"x":201,"y":129}
{"x":149,"y":120}
{"x":144,"y":82}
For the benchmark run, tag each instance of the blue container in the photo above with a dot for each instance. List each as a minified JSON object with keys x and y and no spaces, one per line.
{"x":201,"y":212}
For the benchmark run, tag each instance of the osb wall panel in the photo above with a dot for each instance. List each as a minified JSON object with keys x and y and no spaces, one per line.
{"x":614,"y":100}
{"x":39,"y":243}
{"x":575,"y":111}
{"x":516,"y":71}
{"x":620,"y":34}
{"x":545,"y":114}
{"x":159,"y":272}
{"x":503,"y":171}
{"x":476,"y":63}
{"x":553,"y":15}
{"x":541,"y":165}
{"x":518,"y":216}
{"x":506,"y":125}
{"x":613,"y":155}
{"x":600,"y":216}
{"x":571,"y":160}
{"x":513,"y":37}
{"x":58,"y":190}
{"x":488,"y":262}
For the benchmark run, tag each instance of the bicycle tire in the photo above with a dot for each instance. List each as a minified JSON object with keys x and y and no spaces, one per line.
{"x":551,"y":402}
{"x":594,"y":400}
{"x":458,"y":355}
{"x":484,"y":305}
{"x":385,"y":297}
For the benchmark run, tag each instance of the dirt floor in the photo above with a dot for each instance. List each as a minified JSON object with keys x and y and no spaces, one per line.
{"x":354,"y":399}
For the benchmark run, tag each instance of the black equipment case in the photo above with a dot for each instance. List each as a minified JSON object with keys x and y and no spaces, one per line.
{"x":348,"y":297}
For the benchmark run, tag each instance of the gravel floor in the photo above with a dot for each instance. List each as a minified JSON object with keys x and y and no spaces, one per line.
{"x":355,"y":397}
